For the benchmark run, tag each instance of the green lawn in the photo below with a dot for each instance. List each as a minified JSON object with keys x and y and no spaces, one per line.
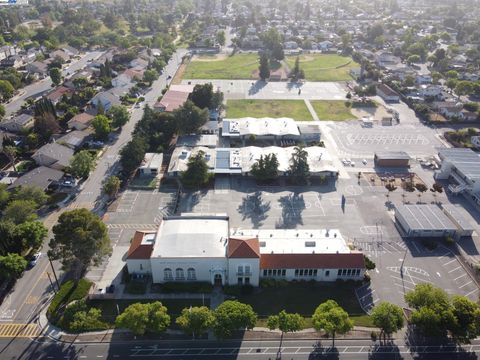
{"x":324,"y":67}
{"x":332,"y":110}
{"x":295,"y":109}
{"x":304,"y":298}
{"x":240,"y":66}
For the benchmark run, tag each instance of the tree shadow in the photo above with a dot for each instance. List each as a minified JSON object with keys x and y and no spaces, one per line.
{"x":254,"y":208}
{"x":256,"y":87}
{"x":292,"y":206}
{"x":385,"y":350}
{"x":188,"y":200}
{"x":323,"y":352}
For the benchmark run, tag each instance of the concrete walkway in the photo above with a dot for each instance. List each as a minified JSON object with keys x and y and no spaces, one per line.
{"x":328,"y":140}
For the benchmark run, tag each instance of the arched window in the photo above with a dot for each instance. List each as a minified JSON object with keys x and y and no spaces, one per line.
{"x":167,"y":274}
{"x":191,"y":274}
{"x":179,"y":274}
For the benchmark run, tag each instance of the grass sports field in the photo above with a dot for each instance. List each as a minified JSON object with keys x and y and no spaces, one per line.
{"x":324,"y":67}
{"x":240,"y":66}
{"x":295,"y":109}
{"x":332,"y":110}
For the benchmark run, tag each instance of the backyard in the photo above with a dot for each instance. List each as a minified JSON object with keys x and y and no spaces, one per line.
{"x":332,"y":110}
{"x":324,"y":67}
{"x":240,"y":66}
{"x":295,"y":109}
{"x":303,"y":298}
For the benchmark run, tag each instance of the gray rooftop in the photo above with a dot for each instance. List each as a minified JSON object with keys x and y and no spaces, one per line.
{"x":392,"y":155}
{"x":466,"y":161}
{"x":425,"y":217}
{"x":40,"y":177}
{"x":456,"y":214}
{"x":197,"y":140}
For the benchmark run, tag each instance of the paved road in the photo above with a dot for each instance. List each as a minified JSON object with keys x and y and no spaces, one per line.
{"x":291,"y":349}
{"x":38,"y":88}
{"x":33,"y":289}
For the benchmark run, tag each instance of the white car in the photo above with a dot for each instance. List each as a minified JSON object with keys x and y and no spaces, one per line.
{"x":34,"y":259}
{"x":352,"y":164}
{"x":364,"y":161}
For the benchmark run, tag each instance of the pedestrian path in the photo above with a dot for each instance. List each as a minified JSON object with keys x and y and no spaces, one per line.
{"x":19,"y":330}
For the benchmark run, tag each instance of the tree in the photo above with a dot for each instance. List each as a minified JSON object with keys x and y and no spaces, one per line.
{"x":10,"y":152}
{"x":102,"y":126}
{"x":2,"y":111}
{"x":19,"y":211}
{"x":432,"y":310}
{"x":80,"y":239}
{"x":56,"y":75}
{"x":31,"y":234}
{"x":467,"y":319}
{"x":4,"y":195}
{"x":150,"y":76}
{"x":285,"y":322}
{"x":196,"y":320}
{"x":264,"y":67}
{"x":141,"y":318}
{"x":412,"y":59}
{"x":220,"y":37}
{"x":33,"y":193}
{"x":6,"y":90}
{"x":12,"y":266}
{"x":233,"y":315}
{"x":388,"y":317}
{"x":132,"y":154}
{"x":297,"y":73}
{"x":332,"y":319}
{"x":45,"y":126}
{"x":265,"y":168}
{"x":197,"y":173}
{"x":82,"y":164}
{"x":111,"y":186}
{"x":202,"y":95}
{"x":119,"y":115}
{"x":299,"y":168}
{"x":190,"y":118}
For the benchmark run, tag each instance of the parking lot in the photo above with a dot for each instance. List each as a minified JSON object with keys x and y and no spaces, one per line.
{"x":387,"y":139}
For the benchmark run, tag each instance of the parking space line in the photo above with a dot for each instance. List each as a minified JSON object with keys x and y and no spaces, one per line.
{"x":468,"y":283}
{"x":458,"y":267}
{"x":459,"y":277}
{"x":471,"y":292}
{"x":444,"y":255}
{"x":449,"y":262}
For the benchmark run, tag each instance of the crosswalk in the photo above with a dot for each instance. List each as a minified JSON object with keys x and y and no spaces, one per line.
{"x":19,"y":330}
{"x":133,"y":226}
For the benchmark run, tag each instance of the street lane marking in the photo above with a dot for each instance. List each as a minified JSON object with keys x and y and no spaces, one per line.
{"x":31,"y":300}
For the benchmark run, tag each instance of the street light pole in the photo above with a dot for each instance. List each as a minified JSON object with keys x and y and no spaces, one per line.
{"x":51,"y":283}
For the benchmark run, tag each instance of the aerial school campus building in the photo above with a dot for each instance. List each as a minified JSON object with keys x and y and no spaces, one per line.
{"x":202,"y":247}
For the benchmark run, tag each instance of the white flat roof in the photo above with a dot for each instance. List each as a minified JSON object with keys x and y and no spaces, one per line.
{"x":192,"y":235}
{"x":152,"y":160}
{"x":293,"y":241}
{"x":259,"y":126}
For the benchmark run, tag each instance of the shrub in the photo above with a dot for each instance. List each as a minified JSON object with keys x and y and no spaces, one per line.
{"x":369,"y":264}
{"x":69,"y":291}
{"x":273,"y":283}
{"x":449,"y":240}
{"x":79,"y":317}
{"x":136,"y":287}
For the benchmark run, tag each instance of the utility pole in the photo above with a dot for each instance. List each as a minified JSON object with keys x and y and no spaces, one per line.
{"x":51,"y":282}
{"x":53,"y":270}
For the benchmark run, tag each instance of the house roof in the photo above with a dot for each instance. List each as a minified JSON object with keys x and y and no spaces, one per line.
{"x":243,"y":248}
{"x":352,"y":260}
{"x":134,"y":73}
{"x":22,"y":119}
{"x":60,"y":153}
{"x":83,"y":118}
{"x":58,"y":93}
{"x":40,"y":177}
{"x":172,"y":100}
{"x":141,"y":246}
{"x":74,"y":138}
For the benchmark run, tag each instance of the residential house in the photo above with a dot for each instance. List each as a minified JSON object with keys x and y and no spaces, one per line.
{"x":6,"y":51}
{"x":56,"y":95}
{"x":54,"y":156}
{"x":290,"y":45}
{"x":431,"y":90}
{"x":37,"y":67}
{"x":13,"y":61}
{"x":107,"y":99}
{"x":62,"y":55}
{"x":41,"y":177}
{"x":325,"y":45}
{"x":387,"y":93}
{"x":74,"y":139}
{"x":138,"y":63}
{"x":80,"y":121}
{"x":70,"y":51}
{"x":18,"y":123}
{"x":85,"y":73}
{"x":175,"y":97}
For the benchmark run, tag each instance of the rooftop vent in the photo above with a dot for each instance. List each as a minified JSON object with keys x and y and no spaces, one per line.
{"x":310,"y":244}
{"x":262,"y":243}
